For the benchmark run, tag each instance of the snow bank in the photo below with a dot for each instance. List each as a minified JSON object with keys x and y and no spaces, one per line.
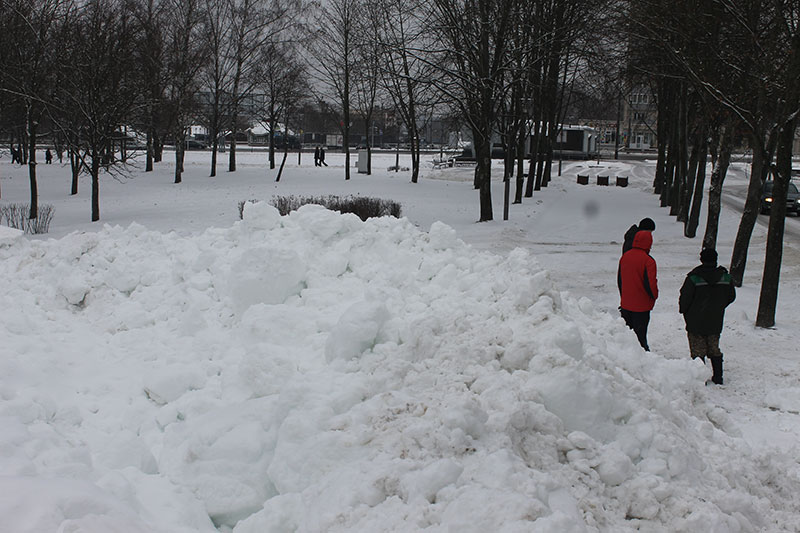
{"x":317,"y":373}
{"x":9,"y":235}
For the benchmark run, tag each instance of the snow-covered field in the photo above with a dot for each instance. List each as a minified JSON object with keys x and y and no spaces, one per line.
{"x":173,"y":369}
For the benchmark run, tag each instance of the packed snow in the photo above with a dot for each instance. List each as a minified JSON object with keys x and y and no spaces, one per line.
{"x":176,"y":369}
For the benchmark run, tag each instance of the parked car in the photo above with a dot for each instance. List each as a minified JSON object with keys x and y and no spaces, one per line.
{"x":792,"y":199}
{"x":193,"y":144}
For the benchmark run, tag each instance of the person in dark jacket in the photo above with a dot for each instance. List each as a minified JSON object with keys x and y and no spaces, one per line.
{"x":638,"y":285}
{"x":316,"y":156}
{"x":322,"y":157}
{"x":646,"y":224}
{"x":706,"y":292}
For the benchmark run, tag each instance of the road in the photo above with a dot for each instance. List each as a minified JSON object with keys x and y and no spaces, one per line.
{"x":733,"y":196}
{"x":734,"y":192}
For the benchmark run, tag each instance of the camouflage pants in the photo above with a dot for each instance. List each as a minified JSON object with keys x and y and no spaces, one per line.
{"x":704,"y":345}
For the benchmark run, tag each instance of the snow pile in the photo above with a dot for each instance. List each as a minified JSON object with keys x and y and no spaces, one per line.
{"x":318,"y":373}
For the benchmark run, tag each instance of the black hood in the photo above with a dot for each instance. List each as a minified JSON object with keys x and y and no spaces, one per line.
{"x":710,"y":273}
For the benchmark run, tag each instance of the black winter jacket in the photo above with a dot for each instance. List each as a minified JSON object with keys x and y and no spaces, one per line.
{"x":627,"y":242}
{"x":705,"y":294}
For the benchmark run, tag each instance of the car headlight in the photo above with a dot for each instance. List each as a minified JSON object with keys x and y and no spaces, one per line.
{"x":768,"y":200}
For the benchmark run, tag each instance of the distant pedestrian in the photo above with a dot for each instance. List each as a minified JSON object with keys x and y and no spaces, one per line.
{"x":316,"y":156}
{"x":14,"y":156}
{"x":48,"y":157}
{"x":646,"y":224}
{"x":638,"y":285}
{"x":706,"y":292}
{"x":322,"y":156}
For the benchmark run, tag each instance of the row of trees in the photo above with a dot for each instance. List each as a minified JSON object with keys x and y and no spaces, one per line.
{"x":81,"y":73}
{"x":724,"y":72}
{"x":727,"y":74}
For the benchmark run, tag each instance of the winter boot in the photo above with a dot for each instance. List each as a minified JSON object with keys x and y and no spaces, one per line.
{"x":701,"y":357}
{"x":716,"y":365}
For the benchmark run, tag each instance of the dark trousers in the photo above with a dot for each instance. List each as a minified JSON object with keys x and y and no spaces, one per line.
{"x":638,"y":322}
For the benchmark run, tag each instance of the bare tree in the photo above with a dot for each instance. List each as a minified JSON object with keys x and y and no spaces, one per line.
{"x":367,"y":78}
{"x":744,"y":55}
{"x":29,"y":64}
{"x":149,"y":52}
{"x":332,"y":62}
{"x":215,"y":102}
{"x":256,"y":24}
{"x":280,"y":84}
{"x":474,"y":47}
{"x":406,"y":68}
{"x":101,"y":85}
{"x":186,"y":52}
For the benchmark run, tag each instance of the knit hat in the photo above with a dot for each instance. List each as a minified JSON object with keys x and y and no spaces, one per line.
{"x":647,"y":224}
{"x":708,"y":256}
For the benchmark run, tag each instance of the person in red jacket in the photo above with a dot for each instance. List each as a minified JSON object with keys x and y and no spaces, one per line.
{"x":638,"y":285}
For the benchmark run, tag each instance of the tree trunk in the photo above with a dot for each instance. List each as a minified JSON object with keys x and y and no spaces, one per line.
{"x":75,"y":165}
{"x":688,"y":188}
{"x":548,"y":165}
{"x":537,"y":184}
{"x":31,"y":132}
{"x":214,"y":149}
{"x":158,"y":148}
{"x":346,"y":145}
{"x":534,"y":157}
{"x":95,"y":184}
{"x":768,"y":300}
{"x":715,"y":190}
{"x":690,"y":229}
{"x":272,"y":144}
{"x":520,"y":169}
{"x":679,"y":184}
{"x":213,"y":132}
{"x":283,"y":161}
{"x":179,"y":148}
{"x":232,"y":153}
{"x":148,"y":165}
{"x":663,"y":132}
{"x":672,"y":162}
{"x":367,"y":124}
{"x":415,"y":162}
{"x":483,"y":175}
{"x":758,"y":174}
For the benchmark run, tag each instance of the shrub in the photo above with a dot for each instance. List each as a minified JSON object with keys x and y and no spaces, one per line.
{"x":16,"y":216}
{"x":361,"y":206}
{"x":241,"y":206}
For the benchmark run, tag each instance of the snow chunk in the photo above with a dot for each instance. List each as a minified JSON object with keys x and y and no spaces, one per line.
{"x":427,"y":482}
{"x":266,"y":275}
{"x":615,"y":467}
{"x":442,"y":236}
{"x":260,"y":216}
{"x":73,"y":288}
{"x":9,"y":235}
{"x":356,"y":331}
{"x":167,"y":385}
{"x":582,"y":401}
{"x":65,"y":505}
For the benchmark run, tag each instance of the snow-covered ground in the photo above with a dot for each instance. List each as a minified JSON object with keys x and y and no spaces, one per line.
{"x":174,"y":369}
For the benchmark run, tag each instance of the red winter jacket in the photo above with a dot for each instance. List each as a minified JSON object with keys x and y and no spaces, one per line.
{"x":636,"y":277}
